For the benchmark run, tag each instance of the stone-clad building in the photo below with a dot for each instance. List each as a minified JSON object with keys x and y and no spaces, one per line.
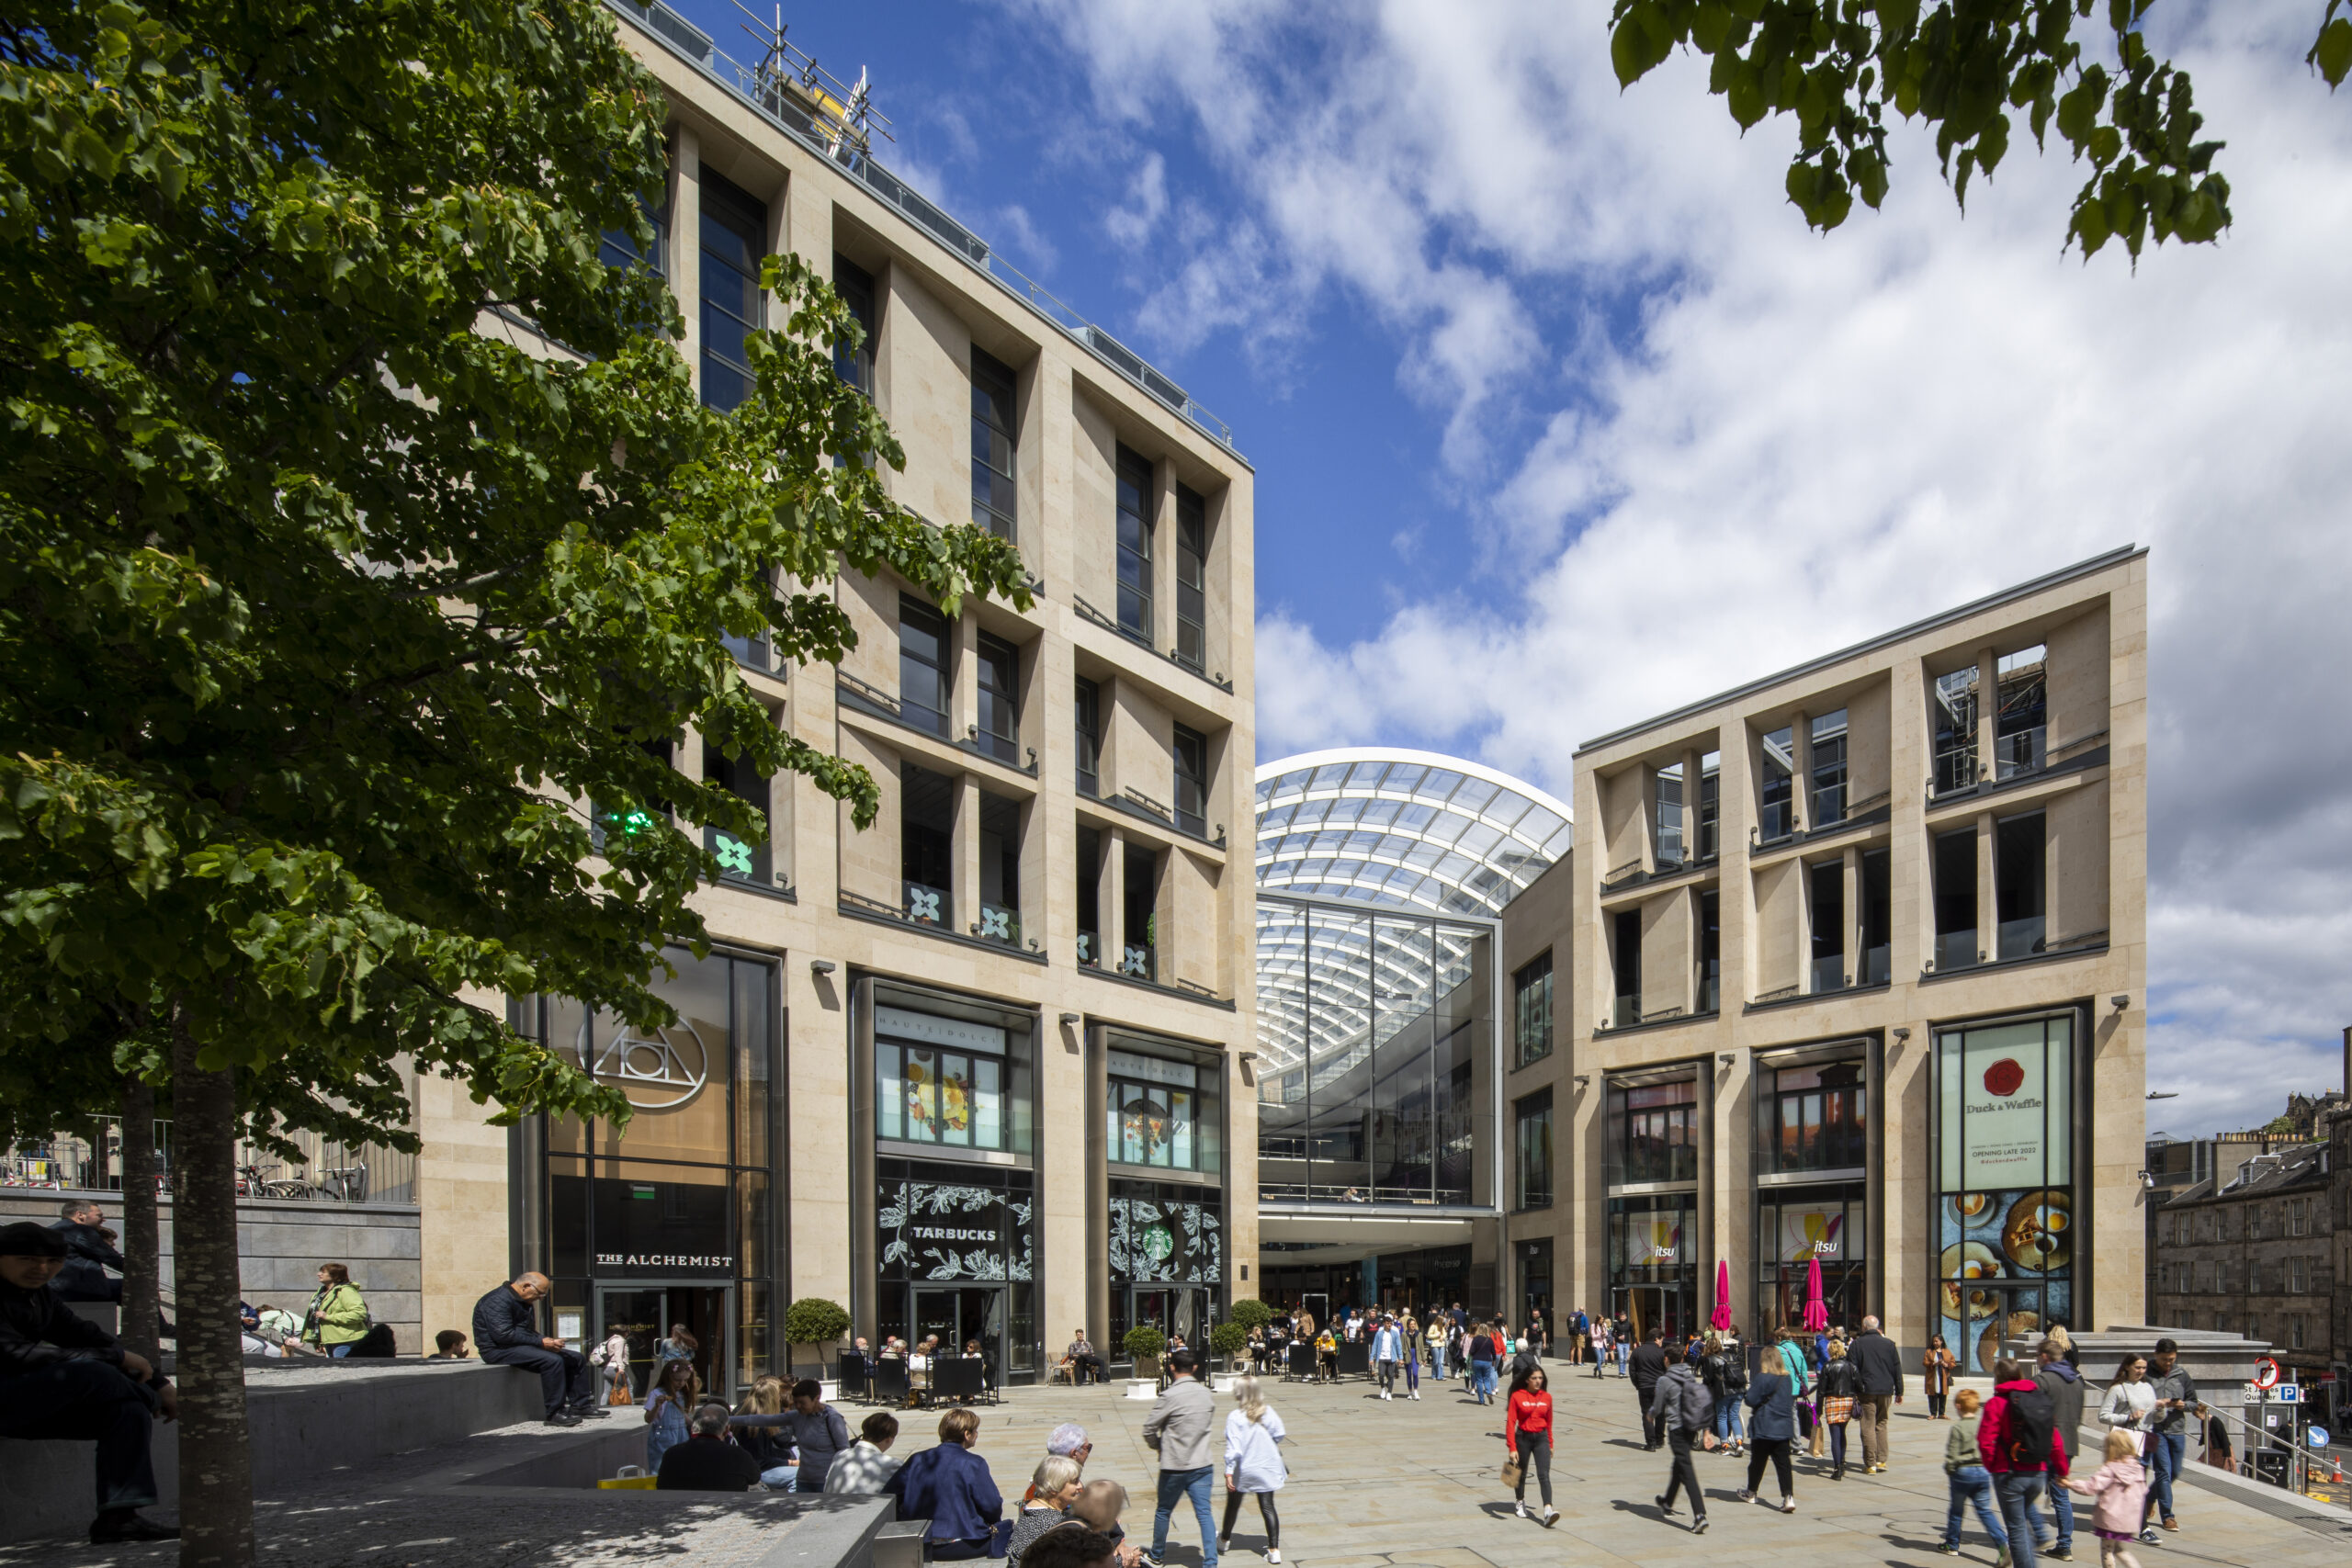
{"x":2254,"y":1251}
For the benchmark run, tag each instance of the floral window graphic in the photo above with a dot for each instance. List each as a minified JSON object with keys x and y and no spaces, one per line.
{"x":947,"y":1231}
{"x":1177,"y":1242}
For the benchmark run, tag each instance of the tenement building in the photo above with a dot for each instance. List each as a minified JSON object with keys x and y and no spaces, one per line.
{"x":1383,"y":876}
{"x":1848,"y":969}
{"x":978,"y":1071}
{"x":2251,"y":1251}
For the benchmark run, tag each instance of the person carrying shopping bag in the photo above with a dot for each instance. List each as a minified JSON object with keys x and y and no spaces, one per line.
{"x":1253,"y":1465}
{"x":1840,"y":1385}
{"x":611,"y":1361}
{"x":1527,"y":1440}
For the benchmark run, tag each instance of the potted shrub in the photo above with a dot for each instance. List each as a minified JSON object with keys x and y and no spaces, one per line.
{"x":1253,"y":1314}
{"x":1143,"y":1344}
{"x":1229,"y":1340}
{"x":814,"y":1320}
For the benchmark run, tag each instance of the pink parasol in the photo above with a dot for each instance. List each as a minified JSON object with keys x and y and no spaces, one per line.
{"x":1816,"y":1312}
{"x":1722,"y":1318}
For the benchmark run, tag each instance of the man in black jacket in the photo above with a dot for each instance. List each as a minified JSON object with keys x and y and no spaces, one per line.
{"x":88,"y":1254}
{"x":1881,"y":1364}
{"x":1682,"y":1408}
{"x":506,"y":1330}
{"x":62,"y":1377}
{"x":1647,"y":1364}
{"x":706,"y":1462}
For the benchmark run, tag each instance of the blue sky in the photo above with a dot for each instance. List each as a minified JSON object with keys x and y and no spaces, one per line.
{"x":1561,"y":417}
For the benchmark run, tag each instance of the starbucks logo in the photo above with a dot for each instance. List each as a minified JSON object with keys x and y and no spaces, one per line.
{"x":1157,"y":1242}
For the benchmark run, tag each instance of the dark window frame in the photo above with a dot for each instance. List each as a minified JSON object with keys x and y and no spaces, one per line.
{"x":1192,"y":580}
{"x":1532,"y":988}
{"x":997,"y":687}
{"x":1134,"y":527}
{"x":1192,"y":785}
{"x":733,"y":212}
{"x":854,"y":362}
{"x":912,"y":707}
{"x":1086,"y":720}
{"x":1532,"y":1188}
{"x":996,"y":415}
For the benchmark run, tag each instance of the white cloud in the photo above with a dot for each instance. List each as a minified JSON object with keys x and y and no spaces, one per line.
{"x":1132,"y":223}
{"x":1803,"y":439}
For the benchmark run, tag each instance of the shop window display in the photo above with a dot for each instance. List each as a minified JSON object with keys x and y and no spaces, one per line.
{"x":2007,"y":1226}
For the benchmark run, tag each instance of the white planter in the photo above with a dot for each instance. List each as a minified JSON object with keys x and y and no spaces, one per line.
{"x":829,"y":1388}
{"x":1143,"y":1388}
{"x":1223,"y":1383}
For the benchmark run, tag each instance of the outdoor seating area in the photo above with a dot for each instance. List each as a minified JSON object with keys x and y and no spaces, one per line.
{"x":918,"y":1382}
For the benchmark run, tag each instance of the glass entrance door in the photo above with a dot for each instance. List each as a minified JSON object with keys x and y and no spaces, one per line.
{"x":959,"y":1315}
{"x":1176,"y":1310}
{"x":1660,"y":1307}
{"x":645,"y":1313}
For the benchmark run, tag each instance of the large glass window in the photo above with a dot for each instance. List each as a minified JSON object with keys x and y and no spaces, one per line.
{"x":1669,"y":832}
{"x":1798,"y":1226}
{"x":1825,"y":892}
{"x":926,"y":839}
{"x":951,"y":1081}
{"x":1533,"y":1186}
{"x":995,"y":424}
{"x":1530,"y":991}
{"x":1625,"y":964}
{"x":1087,"y":719}
{"x":1709,"y":812}
{"x":1654,"y":1263}
{"x":999,"y":869}
{"x":2019,"y":883}
{"x":853,"y":362}
{"x":1829,"y":798}
{"x":1159,"y":1112}
{"x":1955,"y":870}
{"x":1089,"y":897}
{"x":1776,"y":811}
{"x":1000,"y":699}
{"x":618,"y":248}
{"x":1192,"y":578}
{"x":926,"y":656}
{"x":1954,"y":719}
{"x":1135,"y":522}
{"x":1139,"y":957}
{"x":1653,"y":1133}
{"x":1817,"y":1118}
{"x":738,"y":858}
{"x":2020,"y":733}
{"x":2006,"y":1227}
{"x":1877,"y":917}
{"x":734,"y":237}
{"x":1192,"y":750}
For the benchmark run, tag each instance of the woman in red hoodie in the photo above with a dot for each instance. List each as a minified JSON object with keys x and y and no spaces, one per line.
{"x":1527,"y":1435}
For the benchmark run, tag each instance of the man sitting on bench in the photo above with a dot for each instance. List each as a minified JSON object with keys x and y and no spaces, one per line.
{"x":506,"y":1330}
{"x":62,"y":1377}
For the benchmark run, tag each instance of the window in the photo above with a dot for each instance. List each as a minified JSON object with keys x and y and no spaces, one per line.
{"x":2020,"y":732}
{"x":1877,"y":917}
{"x":1139,"y":921}
{"x":1955,"y":866}
{"x":1829,"y":799}
{"x":1191,"y":579}
{"x":994,"y":422}
{"x":1191,"y":781}
{"x":2205,"y":1277}
{"x":926,"y":843}
{"x":734,"y":237}
{"x":738,"y":857}
{"x":1135,"y":544}
{"x":1530,"y":991}
{"x":1775,"y":817}
{"x":1711,"y":951}
{"x":2298,"y":1275}
{"x":1086,"y":711}
{"x":1819,"y":1118}
{"x":853,"y":362}
{"x":999,"y":870}
{"x":1535,"y":1173}
{"x":1653,"y":1131}
{"x":930,"y":1095}
{"x":1154,"y":1113}
{"x":1668,"y":831}
{"x":1826,"y":887}
{"x":1710,"y":803}
{"x":2296,"y":1323}
{"x":1000,"y":698}
{"x":924,"y":662}
{"x":1089,"y":897}
{"x":2018,"y":875}
{"x":1625,"y":928}
{"x":1956,"y":726}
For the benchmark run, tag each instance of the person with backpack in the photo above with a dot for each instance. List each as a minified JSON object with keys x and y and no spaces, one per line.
{"x":1681,"y":1409}
{"x":1724,"y":1371}
{"x":1841,"y":1386}
{"x":2023,"y":1450}
{"x":338,"y":1318}
{"x":1648,"y":1363}
{"x":1771,"y":1428}
{"x":1581,"y":1345}
{"x":1968,"y":1481}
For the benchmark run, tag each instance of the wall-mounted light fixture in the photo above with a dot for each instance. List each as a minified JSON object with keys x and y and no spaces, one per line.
{"x":821,"y":967}
{"x":1726,"y":1057}
{"x":1071,"y":1021}
{"x":2119,"y":1003}
{"x":1901,"y":1036}
{"x":1583,"y":1079}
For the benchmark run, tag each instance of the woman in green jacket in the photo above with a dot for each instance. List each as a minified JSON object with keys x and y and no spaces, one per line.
{"x":338,"y":1317}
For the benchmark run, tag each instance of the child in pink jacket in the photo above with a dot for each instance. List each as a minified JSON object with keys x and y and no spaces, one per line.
{"x":2121,"y":1488}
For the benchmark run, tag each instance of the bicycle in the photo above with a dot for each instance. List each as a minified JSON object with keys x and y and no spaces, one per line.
{"x":346,"y":1184}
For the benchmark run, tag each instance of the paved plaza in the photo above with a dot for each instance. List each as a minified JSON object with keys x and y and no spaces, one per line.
{"x":1372,"y":1485}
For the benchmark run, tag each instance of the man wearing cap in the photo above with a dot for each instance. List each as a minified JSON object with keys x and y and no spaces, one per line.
{"x":62,"y":1378}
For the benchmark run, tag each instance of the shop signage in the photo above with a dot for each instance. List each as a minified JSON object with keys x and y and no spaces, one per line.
{"x":658,"y":1071}
{"x":936,"y":1230}
{"x":693,"y":1262}
{"x":2005,"y":1110}
{"x":1810,"y":1234}
{"x":927,"y":1029}
{"x":1152,"y":1069}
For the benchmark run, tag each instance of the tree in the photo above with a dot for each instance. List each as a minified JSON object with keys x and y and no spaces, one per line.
{"x":813,"y":1320}
{"x":327,"y":620}
{"x":1229,"y":1338}
{"x":1837,"y":65}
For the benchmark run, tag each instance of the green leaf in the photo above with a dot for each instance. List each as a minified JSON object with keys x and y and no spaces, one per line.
{"x":2332,"y":54}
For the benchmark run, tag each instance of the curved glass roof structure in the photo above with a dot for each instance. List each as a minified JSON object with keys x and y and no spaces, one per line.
{"x":1408,"y":828}
{"x":1380,"y":1007}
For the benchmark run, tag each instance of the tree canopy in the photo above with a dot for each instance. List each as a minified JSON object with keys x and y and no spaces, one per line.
{"x":1963,"y":66}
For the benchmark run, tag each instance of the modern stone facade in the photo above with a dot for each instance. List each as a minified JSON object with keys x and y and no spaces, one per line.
{"x":1849,"y":967}
{"x":895,"y":1093}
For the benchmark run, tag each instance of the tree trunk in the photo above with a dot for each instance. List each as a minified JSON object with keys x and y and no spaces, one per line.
{"x":142,"y":1250}
{"x":216,"y":1463}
